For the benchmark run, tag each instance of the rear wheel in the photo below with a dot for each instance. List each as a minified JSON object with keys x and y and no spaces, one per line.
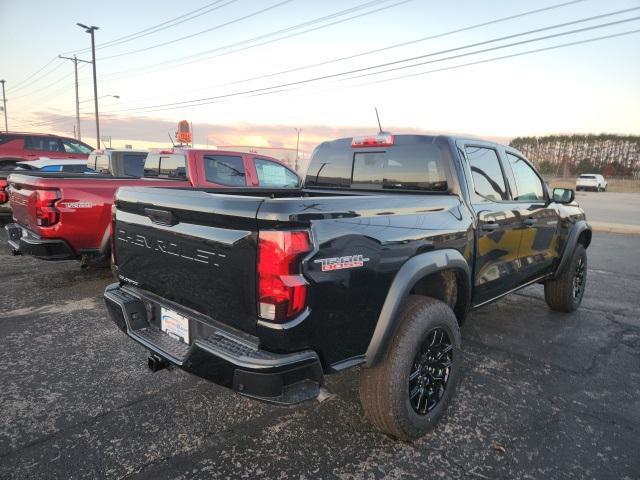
{"x":565,"y":293}
{"x":407,"y":393}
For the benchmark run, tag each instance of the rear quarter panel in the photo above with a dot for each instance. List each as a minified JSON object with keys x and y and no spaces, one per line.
{"x":388,"y":230}
{"x":84,"y":206}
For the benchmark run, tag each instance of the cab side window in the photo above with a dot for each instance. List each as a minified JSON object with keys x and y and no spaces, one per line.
{"x":488,"y":179}
{"x":272,"y":174}
{"x":225,"y":170}
{"x":528,"y":184}
{"x":42,"y":143}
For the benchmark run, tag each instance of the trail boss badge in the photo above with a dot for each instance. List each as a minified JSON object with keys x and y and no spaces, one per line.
{"x":340,"y":263}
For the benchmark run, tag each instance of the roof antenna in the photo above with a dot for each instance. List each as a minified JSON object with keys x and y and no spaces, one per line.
{"x":381,"y":132}
{"x":174,"y":145}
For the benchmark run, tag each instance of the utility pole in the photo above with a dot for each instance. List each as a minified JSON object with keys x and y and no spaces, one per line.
{"x":75,"y":61}
{"x":298,"y":130}
{"x":91,"y":30}
{"x":4,"y":107}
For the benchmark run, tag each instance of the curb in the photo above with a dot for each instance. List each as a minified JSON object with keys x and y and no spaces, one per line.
{"x":621,"y":228}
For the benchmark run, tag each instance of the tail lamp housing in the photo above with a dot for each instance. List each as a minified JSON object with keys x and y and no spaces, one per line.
{"x":4,"y":195}
{"x":46,"y":212}
{"x":282,"y":290}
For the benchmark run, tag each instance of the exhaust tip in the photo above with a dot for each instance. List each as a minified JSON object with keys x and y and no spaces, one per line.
{"x":156,"y":363}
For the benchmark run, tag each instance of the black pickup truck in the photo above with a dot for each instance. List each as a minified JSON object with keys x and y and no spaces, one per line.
{"x":375,"y":262}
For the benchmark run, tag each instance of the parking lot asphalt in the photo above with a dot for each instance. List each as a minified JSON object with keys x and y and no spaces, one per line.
{"x":543,"y":394}
{"x":611,"y":208}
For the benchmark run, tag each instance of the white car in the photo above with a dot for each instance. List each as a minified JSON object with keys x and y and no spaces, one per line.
{"x":591,"y":181}
{"x":44,"y":164}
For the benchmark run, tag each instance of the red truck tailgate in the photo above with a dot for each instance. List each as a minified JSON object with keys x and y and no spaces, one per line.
{"x":79,"y":205}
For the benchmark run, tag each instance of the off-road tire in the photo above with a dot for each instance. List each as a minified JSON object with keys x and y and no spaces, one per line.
{"x":384,"y":388}
{"x":559,"y":293}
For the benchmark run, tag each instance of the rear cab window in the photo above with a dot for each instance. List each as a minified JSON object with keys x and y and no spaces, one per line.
{"x":413,"y":163}
{"x":133,"y":164}
{"x":274,"y":175}
{"x":102,"y":163}
{"x":164,"y":165}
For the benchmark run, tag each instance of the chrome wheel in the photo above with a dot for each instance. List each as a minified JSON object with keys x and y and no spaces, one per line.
{"x":430,"y":371}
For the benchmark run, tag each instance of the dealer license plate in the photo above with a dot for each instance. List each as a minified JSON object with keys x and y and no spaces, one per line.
{"x":174,"y":325}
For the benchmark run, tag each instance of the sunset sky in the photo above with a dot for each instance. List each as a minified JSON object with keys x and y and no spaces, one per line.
{"x":588,"y":88}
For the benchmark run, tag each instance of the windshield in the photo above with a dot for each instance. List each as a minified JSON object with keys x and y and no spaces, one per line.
{"x":588,"y":176}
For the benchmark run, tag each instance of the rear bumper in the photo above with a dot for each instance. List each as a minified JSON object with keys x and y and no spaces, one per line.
{"x":217,"y":354}
{"x":23,"y":241}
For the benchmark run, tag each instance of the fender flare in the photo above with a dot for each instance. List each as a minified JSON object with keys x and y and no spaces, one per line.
{"x":409,"y":274}
{"x":572,"y":240}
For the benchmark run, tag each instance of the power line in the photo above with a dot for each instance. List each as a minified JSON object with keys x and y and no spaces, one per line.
{"x":386,"y":64}
{"x":378,"y":50}
{"x":37,"y":79}
{"x":36,"y":72}
{"x":453,"y":67}
{"x":327,"y":62}
{"x":207,"y":30}
{"x":158,"y":27}
{"x":545,"y":37}
{"x":504,"y":57}
{"x":313,"y":21}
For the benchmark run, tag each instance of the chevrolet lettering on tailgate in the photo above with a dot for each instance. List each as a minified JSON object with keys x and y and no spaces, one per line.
{"x":171,"y":248}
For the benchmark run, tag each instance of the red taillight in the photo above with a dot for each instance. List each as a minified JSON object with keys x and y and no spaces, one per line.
{"x":282,"y":291}
{"x":46,"y":212}
{"x":380,"y":140}
{"x":4,"y":196}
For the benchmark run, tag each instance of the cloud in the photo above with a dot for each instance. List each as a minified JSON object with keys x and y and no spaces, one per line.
{"x":150,"y":132}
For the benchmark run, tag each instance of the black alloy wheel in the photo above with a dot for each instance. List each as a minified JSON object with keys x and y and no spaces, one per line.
{"x":579,"y":278}
{"x":430,"y":371}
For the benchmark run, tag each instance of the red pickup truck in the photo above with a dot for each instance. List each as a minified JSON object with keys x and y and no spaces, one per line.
{"x":68,"y":216}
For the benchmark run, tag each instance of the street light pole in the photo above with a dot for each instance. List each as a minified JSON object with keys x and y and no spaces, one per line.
{"x":91,"y":30}
{"x":4,"y":107}
{"x":75,"y":61}
{"x":298,"y":130}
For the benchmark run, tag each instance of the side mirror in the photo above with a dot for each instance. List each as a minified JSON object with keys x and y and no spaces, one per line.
{"x":563,"y":195}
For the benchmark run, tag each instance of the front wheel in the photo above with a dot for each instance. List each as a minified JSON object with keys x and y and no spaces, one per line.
{"x":565,"y":293}
{"x":407,"y":393}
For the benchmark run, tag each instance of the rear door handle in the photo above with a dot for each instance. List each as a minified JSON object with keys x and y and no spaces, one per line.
{"x":490,"y":226}
{"x":529,"y":222}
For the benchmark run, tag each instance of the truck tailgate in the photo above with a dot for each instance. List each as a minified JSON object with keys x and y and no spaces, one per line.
{"x":23,"y":204}
{"x":176,"y":244}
